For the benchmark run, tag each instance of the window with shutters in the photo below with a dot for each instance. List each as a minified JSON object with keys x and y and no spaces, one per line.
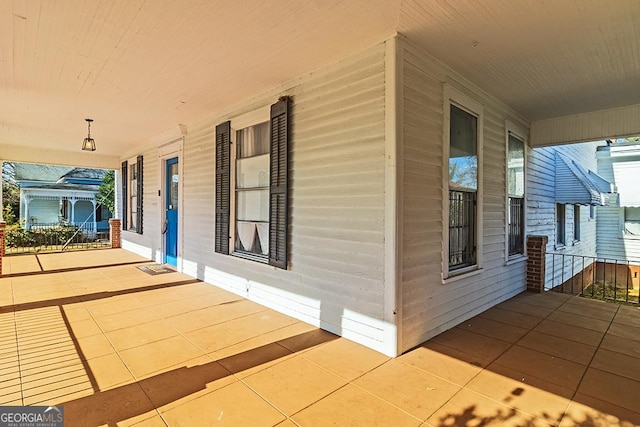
{"x":251,"y":185}
{"x":133,"y":197}
{"x":132,"y":194}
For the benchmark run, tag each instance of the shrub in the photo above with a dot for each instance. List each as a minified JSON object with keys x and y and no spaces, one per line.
{"x":8,"y":215}
{"x":16,"y":237}
{"x":49,"y":236}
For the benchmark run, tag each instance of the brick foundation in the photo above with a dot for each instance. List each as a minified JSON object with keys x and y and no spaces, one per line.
{"x":536,"y":250}
{"x":115,"y":232}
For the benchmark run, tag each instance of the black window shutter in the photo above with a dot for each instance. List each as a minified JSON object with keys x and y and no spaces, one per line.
{"x":125,"y":196}
{"x":139,"y":199}
{"x":223,"y":187}
{"x":278,"y":191}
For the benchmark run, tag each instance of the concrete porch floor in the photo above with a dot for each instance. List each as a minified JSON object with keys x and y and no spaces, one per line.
{"x":116,"y":346}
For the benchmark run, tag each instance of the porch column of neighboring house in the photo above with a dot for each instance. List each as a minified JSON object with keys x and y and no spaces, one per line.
{"x":114,"y":232}
{"x":536,"y":263}
{"x":2,"y":242}
{"x":72,"y":218}
{"x":95,"y":224}
{"x":27,"y":222}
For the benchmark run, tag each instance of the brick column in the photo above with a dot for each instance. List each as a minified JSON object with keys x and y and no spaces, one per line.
{"x":114,"y":233}
{"x":3,"y":226}
{"x":536,"y":250}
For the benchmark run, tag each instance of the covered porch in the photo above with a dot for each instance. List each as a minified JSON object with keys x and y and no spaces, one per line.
{"x":114,"y":345}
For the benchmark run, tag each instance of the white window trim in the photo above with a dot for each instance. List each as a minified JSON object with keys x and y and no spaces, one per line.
{"x":621,"y":234}
{"x":622,"y":217}
{"x":472,"y":106}
{"x":559,"y":245}
{"x":521,"y":133}
{"x":259,"y":115}
{"x":577,"y":225}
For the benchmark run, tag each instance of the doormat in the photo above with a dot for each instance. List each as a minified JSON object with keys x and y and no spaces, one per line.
{"x":154,"y":269}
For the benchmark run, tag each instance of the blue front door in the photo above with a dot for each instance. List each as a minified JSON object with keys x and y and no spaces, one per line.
{"x":171,"y":208}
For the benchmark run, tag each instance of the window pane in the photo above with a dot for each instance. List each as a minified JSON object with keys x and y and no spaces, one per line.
{"x":253,"y":140}
{"x":515,"y":221}
{"x":632,"y":214}
{"x":133,"y":178}
{"x":252,"y":205}
{"x":515,"y":165}
{"x":134,"y":220}
{"x":462,"y":230}
{"x":253,"y":172}
{"x":463,"y":159}
{"x":576,"y":222}
{"x":252,"y":189}
{"x":632,"y":221}
{"x":252,"y":237}
{"x":173,"y":188}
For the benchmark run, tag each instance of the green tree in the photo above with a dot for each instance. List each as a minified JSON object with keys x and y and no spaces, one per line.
{"x":106,"y":192}
{"x":10,"y":193}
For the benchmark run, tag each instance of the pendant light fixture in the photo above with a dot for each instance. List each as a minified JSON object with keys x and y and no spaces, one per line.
{"x":89,"y":144}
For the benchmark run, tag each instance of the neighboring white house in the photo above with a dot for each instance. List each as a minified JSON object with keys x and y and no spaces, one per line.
{"x":52,"y":195}
{"x":564,"y":199}
{"x":619,"y":223}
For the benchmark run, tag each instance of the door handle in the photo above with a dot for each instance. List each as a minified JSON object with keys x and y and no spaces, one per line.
{"x":164,"y":227}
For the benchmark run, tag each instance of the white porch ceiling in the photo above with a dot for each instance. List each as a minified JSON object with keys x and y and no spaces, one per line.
{"x":141,"y":67}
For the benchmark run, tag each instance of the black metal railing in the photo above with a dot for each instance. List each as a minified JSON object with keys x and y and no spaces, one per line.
{"x":462,"y":229}
{"x":54,"y":237}
{"x":593,"y":277}
{"x":516,"y":225}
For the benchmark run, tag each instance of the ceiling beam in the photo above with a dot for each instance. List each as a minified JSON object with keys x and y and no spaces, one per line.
{"x":593,"y":126}
{"x":24,"y":154}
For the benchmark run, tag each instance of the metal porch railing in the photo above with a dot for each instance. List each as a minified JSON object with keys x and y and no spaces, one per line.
{"x":55,"y":237}
{"x":606,"y":279}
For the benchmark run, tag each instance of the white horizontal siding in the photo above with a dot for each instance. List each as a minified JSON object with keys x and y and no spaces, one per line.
{"x":429,"y":306}
{"x":612,"y":243}
{"x":43,"y":211}
{"x":620,"y":165}
{"x":335,"y":277}
{"x":626,"y":176}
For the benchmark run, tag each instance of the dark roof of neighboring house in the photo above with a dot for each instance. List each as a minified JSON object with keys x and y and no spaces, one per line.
{"x":83,"y":173}
{"x":56,"y":174}
{"x":35,"y":172}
